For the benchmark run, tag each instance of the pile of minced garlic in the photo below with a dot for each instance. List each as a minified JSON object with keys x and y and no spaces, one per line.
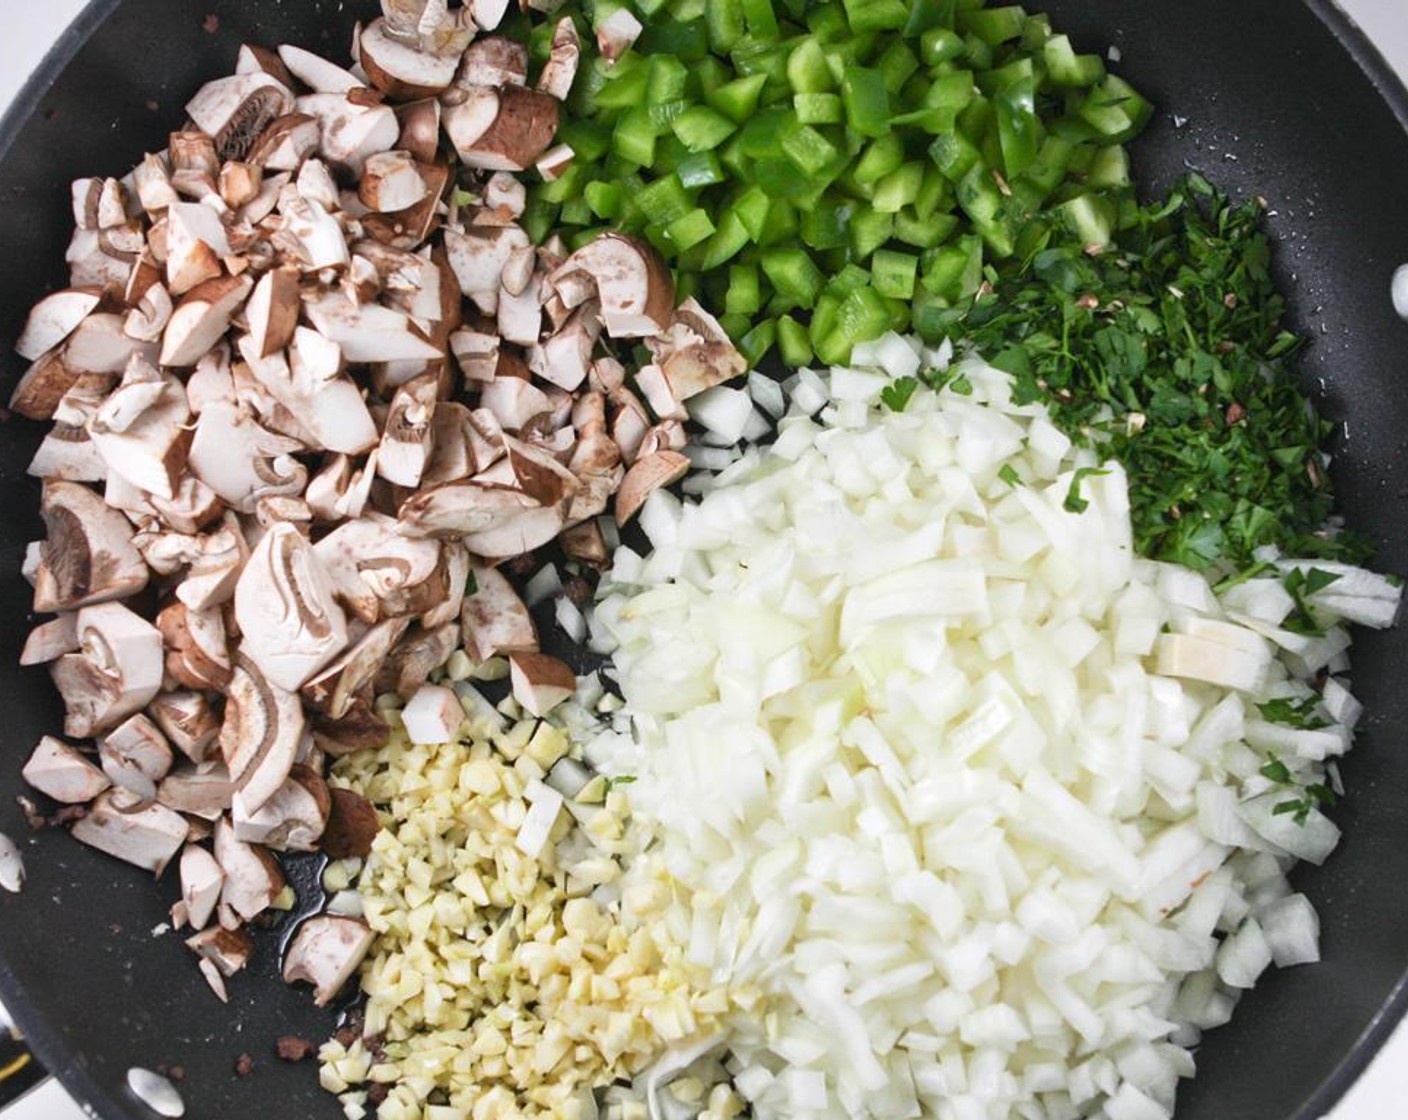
{"x":505,"y":984}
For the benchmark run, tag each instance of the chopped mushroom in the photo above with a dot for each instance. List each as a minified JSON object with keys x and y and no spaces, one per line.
{"x":272,"y":311}
{"x":195,"y":244}
{"x":235,"y":111}
{"x":187,"y":721}
{"x":540,"y":683}
{"x":636,"y":289}
{"x":59,"y":771}
{"x":617,"y":34}
{"x":202,"y":318}
{"x":201,"y":881}
{"x":115,"y":674}
{"x":136,"y":746}
{"x":293,"y":819}
{"x":561,"y":70}
{"x":88,"y":556}
{"x":240,"y":460}
{"x":400,"y":70}
{"x":253,"y":878}
{"x":651,"y":473}
{"x":392,"y":182}
{"x":228,"y":950}
{"x":335,"y":690}
{"x":197,"y":648}
{"x":290,"y":623}
{"x":495,"y":620}
{"x":51,"y":640}
{"x":433,"y":715}
{"x":408,"y":439}
{"x":418,"y":655}
{"x":148,"y":838}
{"x":325,"y":953}
{"x":141,"y":430}
{"x":261,"y":735}
{"x":203,"y":792}
{"x":54,"y":318}
{"x":352,"y":826}
{"x":521,"y":124}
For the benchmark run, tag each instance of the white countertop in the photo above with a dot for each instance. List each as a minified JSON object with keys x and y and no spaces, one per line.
{"x":27,"y":36}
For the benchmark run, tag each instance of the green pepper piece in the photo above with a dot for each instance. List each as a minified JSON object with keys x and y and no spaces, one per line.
{"x":867,"y":101}
{"x":738,"y":99}
{"x":894,"y":274}
{"x":818,"y":108}
{"x":701,"y":129}
{"x":793,"y":345}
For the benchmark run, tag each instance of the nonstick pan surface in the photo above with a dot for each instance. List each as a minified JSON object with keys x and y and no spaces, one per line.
{"x":1278,"y":98}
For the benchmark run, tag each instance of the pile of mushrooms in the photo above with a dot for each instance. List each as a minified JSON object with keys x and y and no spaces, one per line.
{"x":311,"y":382}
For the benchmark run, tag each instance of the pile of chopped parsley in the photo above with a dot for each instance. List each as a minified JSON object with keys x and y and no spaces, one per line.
{"x":1168,"y":351}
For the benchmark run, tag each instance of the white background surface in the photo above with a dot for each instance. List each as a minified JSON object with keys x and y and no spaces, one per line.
{"x":26,"y":35}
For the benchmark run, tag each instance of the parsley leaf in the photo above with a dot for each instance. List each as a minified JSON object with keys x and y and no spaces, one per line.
{"x":1074,"y":503}
{"x":897,"y":395}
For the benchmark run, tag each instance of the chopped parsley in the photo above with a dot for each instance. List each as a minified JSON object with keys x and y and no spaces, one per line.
{"x":1168,"y":353}
{"x":897,"y":395}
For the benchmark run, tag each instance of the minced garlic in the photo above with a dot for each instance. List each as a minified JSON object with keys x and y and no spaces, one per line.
{"x":498,"y":986}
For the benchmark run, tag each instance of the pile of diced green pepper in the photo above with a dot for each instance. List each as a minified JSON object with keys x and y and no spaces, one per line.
{"x":825,"y":172}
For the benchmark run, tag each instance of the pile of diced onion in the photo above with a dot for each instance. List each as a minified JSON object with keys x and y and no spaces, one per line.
{"x":993,"y":812}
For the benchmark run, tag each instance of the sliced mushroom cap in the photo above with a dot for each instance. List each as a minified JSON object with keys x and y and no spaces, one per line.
{"x":337,"y":492}
{"x":152,"y":180}
{"x":88,"y":556}
{"x":650,"y":473}
{"x":150,"y":314}
{"x":212,"y":578}
{"x":59,"y":771}
{"x":201,"y":320}
{"x":326,"y":952}
{"x":352,"y":826}
{"x":286,"y":143}
{"x":635,"y":287}
{"x":290,"y":622}
{"x":54,"y":318}
{"x":262,"y":733}
{"x":98,"y":345}
{"x":420,"y":129}
{"x":521,"y":129}
{"x":187,"y":721}
{"x":235,"y":111}
{"x":540,"y":682}
{"x":379,"y":573}
{"x":495,"y":620}
{"x":586,"y":543}
{"x":136,"y":756}
{"x":453,"y":576}
{"x":461,"y":508}
{"x":201,"y":880}
{"x":403,"y":70}
{"x":252,"y":876}
{"x":116,"y":673}
{"x":147,"y":838}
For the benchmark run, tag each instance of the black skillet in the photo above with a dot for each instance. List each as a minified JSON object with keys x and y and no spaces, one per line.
{"x":1280,"y":98}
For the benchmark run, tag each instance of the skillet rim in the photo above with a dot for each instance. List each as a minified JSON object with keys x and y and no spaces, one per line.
{"x":46,"y":1042}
